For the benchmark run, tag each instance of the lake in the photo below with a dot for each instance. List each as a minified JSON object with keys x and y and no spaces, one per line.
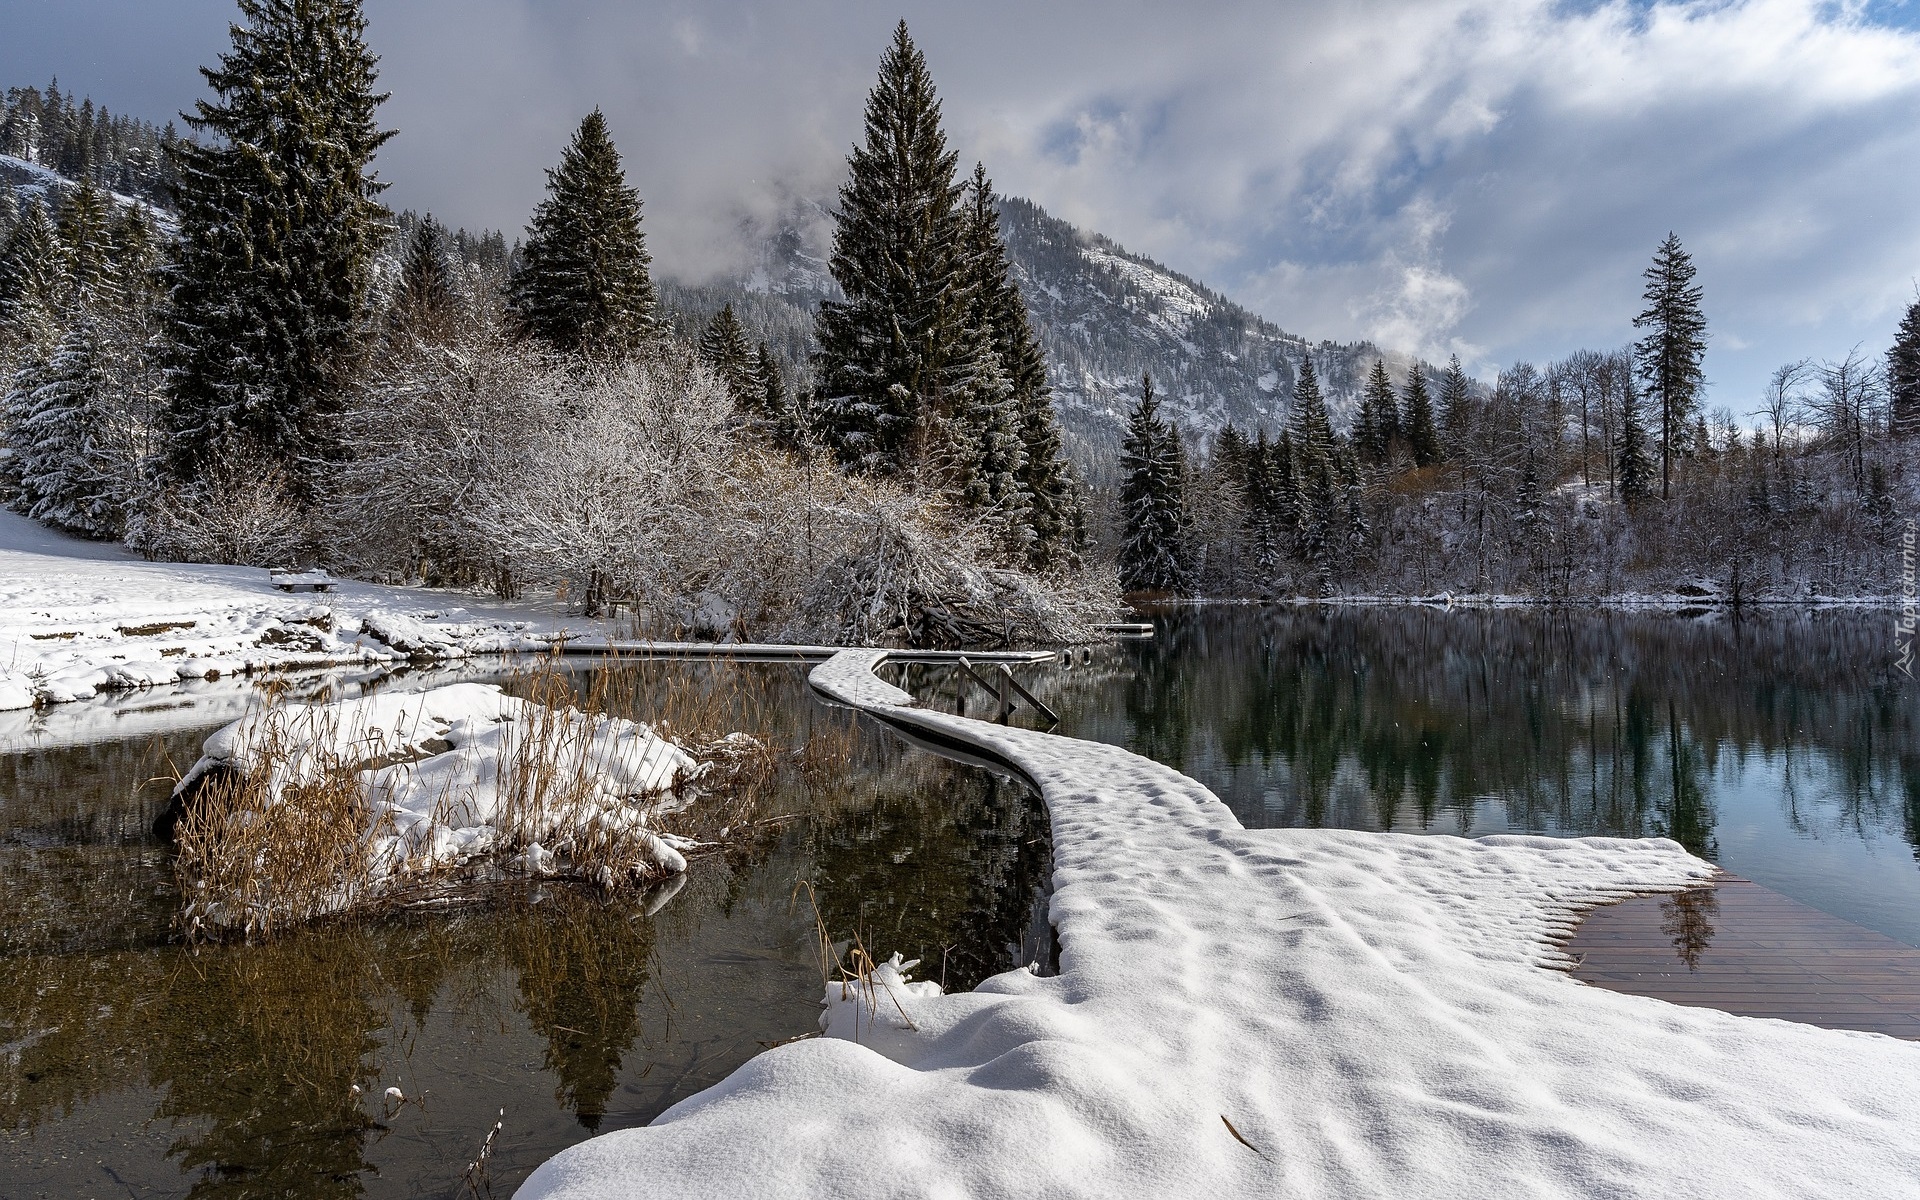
{"x":1783,"y":748}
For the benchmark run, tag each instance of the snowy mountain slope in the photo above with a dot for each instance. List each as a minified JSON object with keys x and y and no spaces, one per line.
{"x":31,"y":181}
{"x":1104,"y":316}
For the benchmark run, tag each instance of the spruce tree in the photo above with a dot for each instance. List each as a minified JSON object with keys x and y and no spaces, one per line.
{"x":1416,"y":419}
{"x":1152,"y":503}
{"x":1315,"y":469}
{"x":279,"y":229}
{"x":996,"y":309}
{"x":771,"y":408}
{"x":725,"y":348}
{"x":1308,"y":426}
{"x":137,"y":259}
{"x":1631,"y":459}
{"x":997,"y":460}
{"x":1903,"y":376}
{"x":997,"y":325}
{"x":583,"y":283}
{"x":428,"y":297}
{"x":1379,"y":424}
{"x":1669,"y":357}
{"x":1257,"y":499}
{"x":58,"y":413}
{"x":887,"y":351}
{"x":1456,"y":407}
{"x":32,"y":282}
{"x":86,"y":245}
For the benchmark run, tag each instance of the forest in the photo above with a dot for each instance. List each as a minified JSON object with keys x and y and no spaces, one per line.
{"x":221,"y":346}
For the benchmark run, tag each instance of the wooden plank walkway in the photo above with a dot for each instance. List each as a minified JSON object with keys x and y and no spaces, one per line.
{"x":584,"y":647}
{"x":1747,"y":949}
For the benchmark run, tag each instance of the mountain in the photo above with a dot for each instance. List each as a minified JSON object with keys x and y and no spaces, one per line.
{"x":1104,"y":316}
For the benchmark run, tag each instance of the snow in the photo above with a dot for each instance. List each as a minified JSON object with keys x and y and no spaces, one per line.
{"x":81,"y":618}
{"x":1278,"y":1012}
{"x":30,"y":180}
{"x":446,"y":783}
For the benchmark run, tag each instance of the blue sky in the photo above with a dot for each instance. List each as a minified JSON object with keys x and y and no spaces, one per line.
{"x":1486,"y":177}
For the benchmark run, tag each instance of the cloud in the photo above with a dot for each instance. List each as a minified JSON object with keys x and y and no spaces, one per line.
{"x":1480,"y":176}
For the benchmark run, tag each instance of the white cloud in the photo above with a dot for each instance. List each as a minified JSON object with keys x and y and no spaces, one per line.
{"x":1286,"y":153}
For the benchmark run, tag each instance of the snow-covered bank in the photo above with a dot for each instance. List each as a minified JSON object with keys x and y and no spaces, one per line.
{"x":80,"y":618}
{"x":439,"y":779}
{"x":1278,"y":1012}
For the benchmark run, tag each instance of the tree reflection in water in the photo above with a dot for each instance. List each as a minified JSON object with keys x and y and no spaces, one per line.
{"x":1687,"y":918}
{"x":228,"y":1071}
{"x":1578,"y":723}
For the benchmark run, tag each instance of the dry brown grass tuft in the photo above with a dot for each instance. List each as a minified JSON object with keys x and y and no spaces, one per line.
{"x":292,"y":839}
{"x":255,"y":854}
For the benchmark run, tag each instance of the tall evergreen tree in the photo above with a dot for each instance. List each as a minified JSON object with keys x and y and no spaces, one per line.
{"x":1416,"y":419}
{"x":584,"y":282}
{"x":1257,"y":499}
{"x":998,"y":458}
{"x":279,"y":228}
{"x":1456,"y":407}
{"x":996,"y":308}
{"x":1308,"y":425}
{"x":86,"y":244}
{"x":725,"y":348}
{"x":31,"y":281}
{"x":1379,"y":423}
{"x":137,"y":258}
{"x":59,"y":413}
{"x":887,"y":352}
{"x":427,"y":297}
{"x":1152,"y":502}
{"x":1632,"y":461}
{"x":1903,"y":376}
{"x":1669,"y":357}
{"x":1316,"y":471}
{"x":771,"y":406}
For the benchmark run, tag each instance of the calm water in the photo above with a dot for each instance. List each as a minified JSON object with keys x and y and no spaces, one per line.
{"x":1786,"y":750}
{"x":133,"y":1065}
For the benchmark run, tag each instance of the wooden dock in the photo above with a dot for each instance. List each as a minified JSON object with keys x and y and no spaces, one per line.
{"x":595,"y":647}
{"x":1747,"y":949}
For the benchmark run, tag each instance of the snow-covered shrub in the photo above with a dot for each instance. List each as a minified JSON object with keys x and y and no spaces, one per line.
{"x":237,"y":513}
{"x":639,"y":486}
{"x":430,"y":423}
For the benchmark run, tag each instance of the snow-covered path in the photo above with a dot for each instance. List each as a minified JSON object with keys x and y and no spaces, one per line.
{"x":1278,"y":1013}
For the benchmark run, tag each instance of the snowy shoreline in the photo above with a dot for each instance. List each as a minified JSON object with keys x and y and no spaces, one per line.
{"x":1260,"y":1012}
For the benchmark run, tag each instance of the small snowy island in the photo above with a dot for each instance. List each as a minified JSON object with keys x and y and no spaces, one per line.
{"x":1276,"y":1012}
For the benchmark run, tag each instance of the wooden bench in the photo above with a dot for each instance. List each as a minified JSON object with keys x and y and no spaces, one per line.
{"x":314,"y":580}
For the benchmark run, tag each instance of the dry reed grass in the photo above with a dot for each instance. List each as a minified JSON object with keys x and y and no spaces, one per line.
{"x":292,"y":840}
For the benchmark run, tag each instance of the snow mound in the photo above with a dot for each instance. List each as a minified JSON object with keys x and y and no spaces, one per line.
{"x":1278,"y":1012}
{"x":460,"y":772}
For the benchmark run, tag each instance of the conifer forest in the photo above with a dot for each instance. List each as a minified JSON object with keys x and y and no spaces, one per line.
{"x":220,"y":345}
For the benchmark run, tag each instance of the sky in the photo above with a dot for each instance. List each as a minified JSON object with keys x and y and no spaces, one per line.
{"x":1480,"y":177}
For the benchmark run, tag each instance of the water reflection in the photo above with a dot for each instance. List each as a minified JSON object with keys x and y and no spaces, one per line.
{"x":127,"y":1060}
{"x":1785,"y":747}
{"x":1687,"y":918}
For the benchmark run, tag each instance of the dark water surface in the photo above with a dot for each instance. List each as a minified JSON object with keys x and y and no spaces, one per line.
{"x":133,"y":1065}
{"x":1786,"y":749}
